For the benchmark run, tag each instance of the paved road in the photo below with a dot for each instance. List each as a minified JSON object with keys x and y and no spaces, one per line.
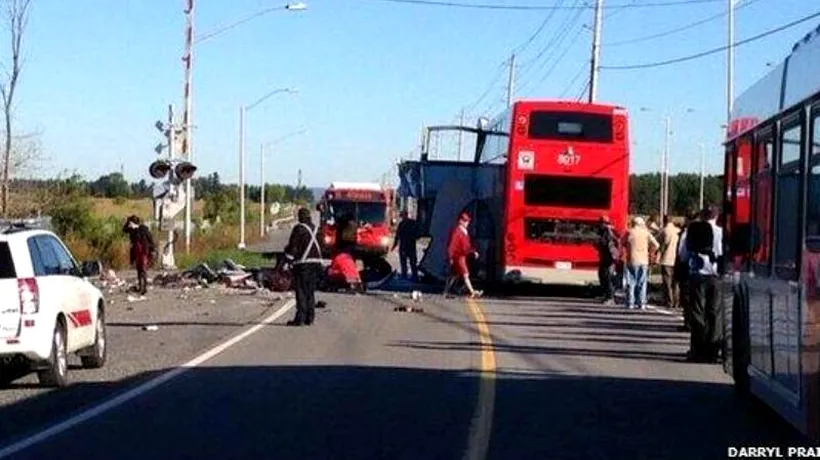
{"x":571,"y":380}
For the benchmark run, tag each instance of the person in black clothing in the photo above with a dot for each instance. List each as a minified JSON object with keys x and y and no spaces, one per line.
{"x":142,"y":250}
{"x":703,"y":249}
{"x":682,"y":274}
{"x":305,"y":254}
{"x":406,"y":236}
{"x":607,"y":247}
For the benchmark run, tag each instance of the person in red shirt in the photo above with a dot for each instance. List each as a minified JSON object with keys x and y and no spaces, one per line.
{"x":458,"y":249}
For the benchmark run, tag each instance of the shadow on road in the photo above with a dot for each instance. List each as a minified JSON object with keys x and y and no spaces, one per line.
{"x":397,"y":413}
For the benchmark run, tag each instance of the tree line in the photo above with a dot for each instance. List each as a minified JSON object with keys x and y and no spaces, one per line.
{"x":684,"y":193}
{"x":114,"y":185}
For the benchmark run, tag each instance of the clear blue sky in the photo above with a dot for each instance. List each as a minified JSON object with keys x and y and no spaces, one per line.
{"x":99,"y":73}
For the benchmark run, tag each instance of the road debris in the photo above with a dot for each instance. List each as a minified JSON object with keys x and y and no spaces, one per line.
{"x":151,"y":327}
{"x":132,"y":298}
{"x":405,"y":309}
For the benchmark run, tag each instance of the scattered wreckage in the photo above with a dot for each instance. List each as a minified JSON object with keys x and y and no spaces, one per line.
{"x":237,"y":278}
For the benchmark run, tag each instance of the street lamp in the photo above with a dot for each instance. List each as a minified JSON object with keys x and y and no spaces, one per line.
{"x":188,"y":88}
{"x":702,"y":161}
{"x":242,"y":111}
{"x":299,"y":6}
{"x":664,"y":170}
{"x":262,"y":176}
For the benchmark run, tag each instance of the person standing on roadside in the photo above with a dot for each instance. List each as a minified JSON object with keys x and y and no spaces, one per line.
{"x":669,"y":236}
{"x":142,"y":250}
{"x":406,"y":236}
{"x":640,"y":243}
{"x":458,"y":249}
{"x":703,"y":251}
{"x":304,"y":252}
{"x":607,"y":246}
{"x":682,"y":273}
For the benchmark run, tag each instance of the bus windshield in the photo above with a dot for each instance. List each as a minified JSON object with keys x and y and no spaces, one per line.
{"x":363,"y":212}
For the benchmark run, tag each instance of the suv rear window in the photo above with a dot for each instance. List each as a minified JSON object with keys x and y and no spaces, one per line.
{"x":7,"y":270}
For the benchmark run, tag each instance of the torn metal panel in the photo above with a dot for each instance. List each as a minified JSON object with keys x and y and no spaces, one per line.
{"x":445,"y":189}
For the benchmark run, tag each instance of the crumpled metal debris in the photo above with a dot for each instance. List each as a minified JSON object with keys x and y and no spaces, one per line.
{"x":108,"y":280}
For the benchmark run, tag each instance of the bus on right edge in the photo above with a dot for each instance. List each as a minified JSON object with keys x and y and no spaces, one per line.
{"x":772,"y":220}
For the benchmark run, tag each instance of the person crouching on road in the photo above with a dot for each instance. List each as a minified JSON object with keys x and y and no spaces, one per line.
{"x":457,"y":250}
{"x":305,"y":254}
{"x":142,"y":250}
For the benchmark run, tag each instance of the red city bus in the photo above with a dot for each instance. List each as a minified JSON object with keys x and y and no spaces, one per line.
{"x":368,"y":204}
{"x":772,"y":294}
{"x":567,"y":164}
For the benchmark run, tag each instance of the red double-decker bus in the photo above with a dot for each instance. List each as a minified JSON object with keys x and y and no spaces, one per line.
{"x":567,"y":165}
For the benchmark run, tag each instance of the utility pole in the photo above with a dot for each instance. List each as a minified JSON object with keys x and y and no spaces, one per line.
{"x":299,"y":180}
{"x":262,"y":190}
{"x":668,"y":134}
{"x":730,"y":63}
{"x":511,"y":81}
{"x":660,"y":177}
{"x":460,"y":134}
{"x":702,"y":167}
{"x":169,"y":261}
{"x":187,"y":127}
{"x":242,"y":177}
{"x":596,"y":51}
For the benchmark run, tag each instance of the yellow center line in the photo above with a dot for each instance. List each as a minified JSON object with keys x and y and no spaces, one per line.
{"x":482,"y":423}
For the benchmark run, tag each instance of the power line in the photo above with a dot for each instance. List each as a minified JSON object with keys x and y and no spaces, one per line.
{"x":677,"y":29}
{"x":714,"y":50}
{"x":523,"y":47}
{"x":583,"y":90}
{"x":572,"y":81}
{"x":490,"y":87}
{"x":491,"y":6}
{"x":552,"y":56}
{"x":554,"y":41}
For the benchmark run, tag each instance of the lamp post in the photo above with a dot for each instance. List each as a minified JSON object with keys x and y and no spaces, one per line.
{"x":702,"y":167}
{"x":242,"y":111}
{"x":187,"y":59}
{"x":298,"y":6}
{"x":262,"y":177}
{"x":665,"y":156}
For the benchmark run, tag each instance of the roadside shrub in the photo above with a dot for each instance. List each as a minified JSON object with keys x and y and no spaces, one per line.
{"x":71,"y":215}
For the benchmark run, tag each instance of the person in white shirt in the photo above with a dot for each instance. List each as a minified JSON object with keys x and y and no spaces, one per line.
{"x":702,"y":247}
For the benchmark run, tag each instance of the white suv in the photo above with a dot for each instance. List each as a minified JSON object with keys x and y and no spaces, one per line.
{"x":49,"y":309}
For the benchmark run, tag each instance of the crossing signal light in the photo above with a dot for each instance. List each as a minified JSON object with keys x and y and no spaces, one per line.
{"x":184,"y":170}
{"x":159,"y":169}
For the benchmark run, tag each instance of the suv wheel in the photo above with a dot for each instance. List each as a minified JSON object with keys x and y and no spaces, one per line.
{"x":94,"y":358}
{"x":56,"y":375}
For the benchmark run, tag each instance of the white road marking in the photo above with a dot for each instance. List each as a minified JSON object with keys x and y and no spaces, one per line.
{"x":121,"y":399}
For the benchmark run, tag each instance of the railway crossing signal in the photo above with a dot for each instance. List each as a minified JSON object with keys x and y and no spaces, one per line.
{"x":169,"y":194}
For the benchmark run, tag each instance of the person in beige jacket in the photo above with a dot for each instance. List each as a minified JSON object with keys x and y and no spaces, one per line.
{"x":639,"y":242}
{"x":669,"y":237}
